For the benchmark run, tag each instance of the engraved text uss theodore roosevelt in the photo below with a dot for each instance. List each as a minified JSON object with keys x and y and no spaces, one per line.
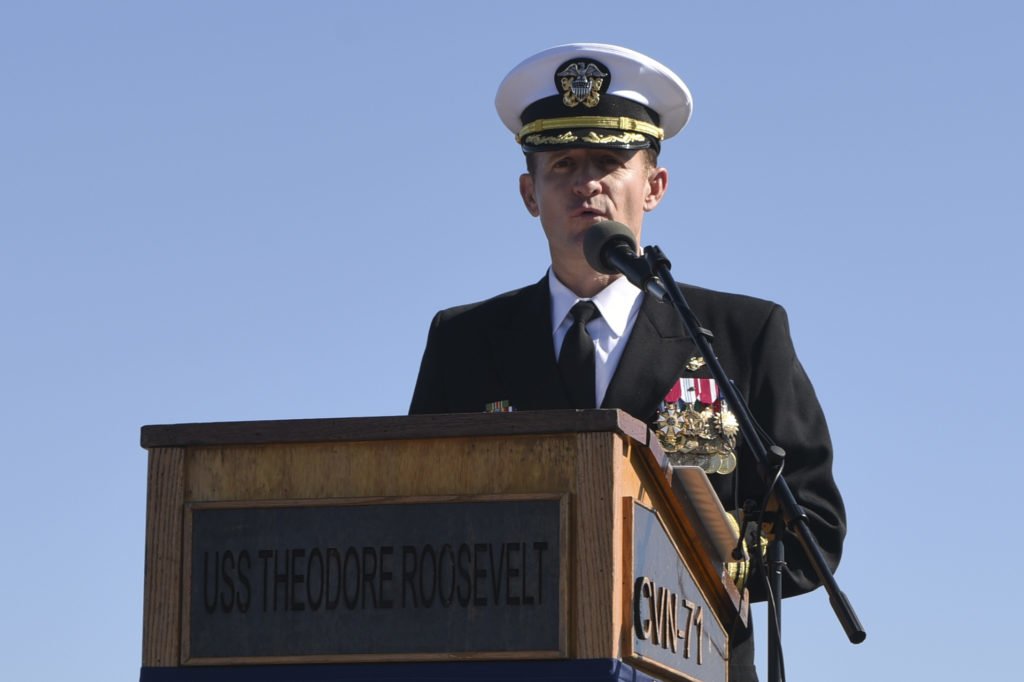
{"x":374,"y":577}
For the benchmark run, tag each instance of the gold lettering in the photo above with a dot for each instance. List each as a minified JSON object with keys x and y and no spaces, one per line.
{"x":700,"y":635}
{"x":685,"y":634}
{"x":641,"y":593}
{"x":658,"y":604}
{"x":671,"y":620}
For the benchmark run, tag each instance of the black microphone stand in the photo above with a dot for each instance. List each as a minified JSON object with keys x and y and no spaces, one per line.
{"x":768,"y":462}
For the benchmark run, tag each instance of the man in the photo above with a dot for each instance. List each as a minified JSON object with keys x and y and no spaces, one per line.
{"x":590,"y":119}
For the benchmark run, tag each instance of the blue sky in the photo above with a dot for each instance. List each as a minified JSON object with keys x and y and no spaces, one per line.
{"x":206,"y":206}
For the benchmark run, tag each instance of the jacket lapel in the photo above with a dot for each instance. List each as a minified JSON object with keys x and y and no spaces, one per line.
{"x":525,"y":355}
{"x":656,"y":351}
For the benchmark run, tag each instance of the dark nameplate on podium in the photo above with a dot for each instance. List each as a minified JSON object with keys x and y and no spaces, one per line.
{"x":424,"y":578}
{"x":674,"y":627}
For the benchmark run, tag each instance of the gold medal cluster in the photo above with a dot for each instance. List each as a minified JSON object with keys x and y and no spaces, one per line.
{"x":695,"y":434}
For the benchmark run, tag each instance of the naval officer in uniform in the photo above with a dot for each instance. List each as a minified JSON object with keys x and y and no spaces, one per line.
{"x":591,"y":119}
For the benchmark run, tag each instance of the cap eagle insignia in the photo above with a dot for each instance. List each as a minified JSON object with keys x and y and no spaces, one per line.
{"x":581,"y":84}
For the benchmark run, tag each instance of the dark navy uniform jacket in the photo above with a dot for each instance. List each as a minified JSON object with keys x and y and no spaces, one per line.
{"x":501,"y":349}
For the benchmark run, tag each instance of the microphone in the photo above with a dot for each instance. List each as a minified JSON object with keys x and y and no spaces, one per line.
{"x":611,"y":249}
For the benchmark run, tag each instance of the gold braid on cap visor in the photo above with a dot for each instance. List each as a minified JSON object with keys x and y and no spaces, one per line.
{"x":608,"y":122}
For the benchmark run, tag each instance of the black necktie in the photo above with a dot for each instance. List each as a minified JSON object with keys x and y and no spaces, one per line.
{"x":576,"y":359}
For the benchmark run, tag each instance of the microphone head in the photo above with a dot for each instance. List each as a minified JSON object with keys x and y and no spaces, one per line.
{"x":599,"y":238}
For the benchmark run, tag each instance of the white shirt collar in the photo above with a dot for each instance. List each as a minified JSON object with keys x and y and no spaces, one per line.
{"x":615,"y":302}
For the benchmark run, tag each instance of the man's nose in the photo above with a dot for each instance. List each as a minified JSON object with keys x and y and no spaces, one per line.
{"x":587,"y":182}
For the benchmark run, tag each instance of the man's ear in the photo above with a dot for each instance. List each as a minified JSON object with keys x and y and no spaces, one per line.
{"x":657,"y":183}
{"x":526,"y":192}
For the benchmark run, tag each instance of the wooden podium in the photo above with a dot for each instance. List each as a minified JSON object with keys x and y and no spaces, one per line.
{"x":533,"y":545}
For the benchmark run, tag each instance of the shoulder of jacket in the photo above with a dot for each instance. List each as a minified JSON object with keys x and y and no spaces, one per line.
{"x":495,"y":307}
{"x":725,"y":301}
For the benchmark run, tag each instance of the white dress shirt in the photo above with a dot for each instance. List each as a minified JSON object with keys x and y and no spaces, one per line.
{"x":618,"y":303}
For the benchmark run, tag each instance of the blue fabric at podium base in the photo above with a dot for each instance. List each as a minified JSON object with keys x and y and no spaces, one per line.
{"x":589,"y":670}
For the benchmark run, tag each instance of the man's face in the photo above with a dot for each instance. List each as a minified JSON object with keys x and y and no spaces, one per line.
{"x":572,"y":189}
